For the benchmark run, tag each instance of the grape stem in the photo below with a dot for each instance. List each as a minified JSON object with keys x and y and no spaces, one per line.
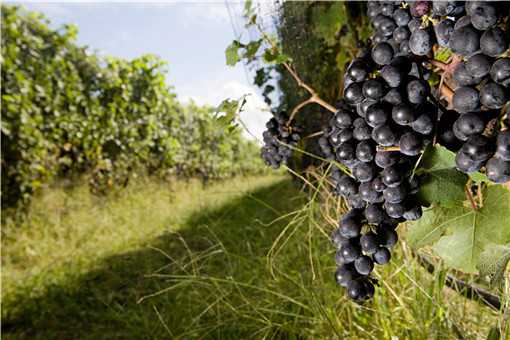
{"x":470,"y":195}
{"x":315,"y":134}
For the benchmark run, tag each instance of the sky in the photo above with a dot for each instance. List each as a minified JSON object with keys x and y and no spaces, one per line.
{"x":190,"y":36}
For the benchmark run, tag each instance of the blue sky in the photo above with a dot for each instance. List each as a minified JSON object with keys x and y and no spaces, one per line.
{"x":190,"y":36}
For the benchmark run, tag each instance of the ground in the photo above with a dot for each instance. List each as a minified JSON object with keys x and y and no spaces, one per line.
{"x":241,"y":258}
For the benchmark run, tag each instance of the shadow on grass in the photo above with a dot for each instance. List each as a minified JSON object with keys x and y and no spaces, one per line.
{"x":227,"y":242}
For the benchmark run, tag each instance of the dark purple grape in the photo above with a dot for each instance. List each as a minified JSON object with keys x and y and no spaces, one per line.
{"x":503,"y":145}
{"x":395,"y":194}
{"x":343,"y":119}
{"x":365,"y":151}
{"x":392,"y":176}
{"x":378,"y":184}
{"x":384,"y":159}
{"x":392,"y":75}
{"x":493,"y":42}
{"x":498,"y":170}
{"x":494,"y":96}
{"x":465,"y":40}
{"x":466,"y":164}
{"x":466,"y":99}
{"x":410,"y":144}
{"x":469,"y":124}
{"x":356,"y":290}
{"x":483,"y":15}
{"x":364,"y":172}
{"x":344,"y":274}
{"x":403,"y":114}
{"x":478,"y":65}
{"x":500,"y":71}
{"x":382,"y":53}
{"x":423,"y":124}
{"x":393,"y":97}
{"x":444,"y":30}
{"x":347,"y":186}
{"x":417,"y":91}
{"x":369,"y":243}
{"x":478,"y":147}
{"x":382,"y":256}
{"x":337,"y":238}
{"x":463,"y":78}
{"x":368,"y":193}
{"x":350,"y":252}
{"x":353,"y":94}
{"x":374,"y":213}
{"x":401,"y":17}
{"x":384,"y":135}
{"x":387,"y":236}
{"x":413,"y":214}
{"x":401,"y":34}
{"x":364,"y":265}
{"x":421,"y":42}
{"x":373,"y":89}
{"x":357,"y":71}
{"x":376,"y":115}
{"x":394,"y":210}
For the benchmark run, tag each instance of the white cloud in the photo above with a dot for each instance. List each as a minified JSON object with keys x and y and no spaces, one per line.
{"x":255,"y":114}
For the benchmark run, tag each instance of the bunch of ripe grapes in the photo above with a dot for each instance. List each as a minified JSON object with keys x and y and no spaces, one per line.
{"x":389,"y":113}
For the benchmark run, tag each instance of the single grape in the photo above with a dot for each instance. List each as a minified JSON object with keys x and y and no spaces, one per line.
{"x":395,"y":194}
{"x":463,"y":77}
{"x":373,"y":89}
{"x":421,"y":42}
{"x":350,"y":252}
{"x":357,"y":71}
{"x":503,"y":145}
{"x":347,"y":186}
{"x":364,"y":172}
{"x":364,"y":265}
{"x":378,"y":184}
{"x":483,"y":15}
{"x":423,"y":124}
{"x":365,"y":151}
{"x":382,"y":53}
{"x":392,"y":75}
{"x":498,"y":170}
{"x":478,"y":65}
{"x":478,"y":147}
{"x":401,"y":34}
{"x":494,"y":96}
{"x":466,"y":164}
{"x":376,"y":115}
{"x":444,"y":30}
{"x":384,"y":135}
{"x":382,"y":256}
{"x":369,"y":243}
{"x":465,"y":40}
{"x":469,"y":124}
{"x":417,"y":91}
{"x":356,"y":290}
{"x":344,"y":274}
{"x":374,"y":213}
{"x":356,"y":202}
{"x":392,"y":176}
{"x":410,"y":144}
{"x":493,"y":42}
{"x":384,"y":159}
{"x":337,"y":238}
{"x":362,"y":107}
{"x":413,"y":214}
{"x":466,"y":99}
{"x":500,"y":71}
{"x":353,"y":94}
{"x":343,"y":119}
{"x":387,"y":236}
{"x":394,"y":210}
{"x":393,"y":96}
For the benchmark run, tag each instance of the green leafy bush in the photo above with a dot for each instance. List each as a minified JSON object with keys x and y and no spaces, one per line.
{"x":68,"y":112}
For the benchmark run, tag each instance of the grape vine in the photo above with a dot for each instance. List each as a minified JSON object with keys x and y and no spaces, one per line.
{"x":419,"y":133}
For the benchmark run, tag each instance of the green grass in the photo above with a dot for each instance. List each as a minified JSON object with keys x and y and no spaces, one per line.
{"x":244,"y":258}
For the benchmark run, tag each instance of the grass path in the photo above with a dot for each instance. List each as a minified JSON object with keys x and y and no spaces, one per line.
{"x":180,"y":261}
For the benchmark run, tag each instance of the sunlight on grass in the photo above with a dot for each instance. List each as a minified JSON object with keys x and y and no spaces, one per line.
{"x":243,"y":258}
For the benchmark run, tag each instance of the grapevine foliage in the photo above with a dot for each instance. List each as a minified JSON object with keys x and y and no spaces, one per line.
{"x":67,"y":112}
{"x":421,"y":122}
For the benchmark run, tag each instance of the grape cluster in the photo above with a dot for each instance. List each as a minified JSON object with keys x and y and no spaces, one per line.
{"x":379,"y":112}
{"x":481,"y":86}
{"x":279,"y":138}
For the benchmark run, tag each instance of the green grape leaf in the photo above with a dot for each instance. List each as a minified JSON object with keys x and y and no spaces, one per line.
{"x":493,"y":262}
{"x":272,"y":56}
{"x":227,"y":111}
{"x":478,"y":177}
{"x":440,"y":182}
{"x":232,"y":53}
{"x":251,"y":49}
{"x":467,"y":233}
{"x":444,"y":187}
